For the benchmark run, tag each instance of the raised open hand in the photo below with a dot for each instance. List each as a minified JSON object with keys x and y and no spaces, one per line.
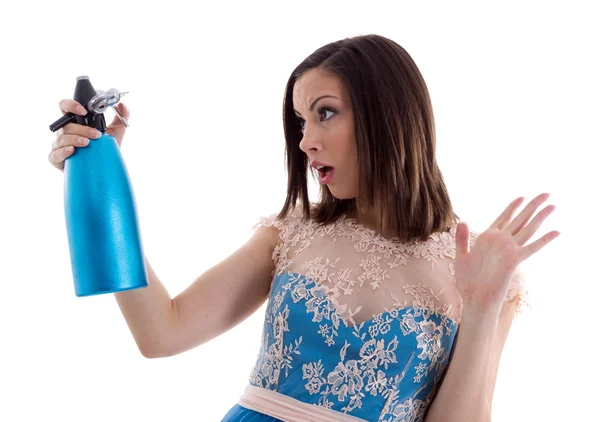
{"x":483,"y":273}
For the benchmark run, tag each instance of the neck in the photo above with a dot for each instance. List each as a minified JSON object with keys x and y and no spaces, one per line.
{"x":370,"y":219}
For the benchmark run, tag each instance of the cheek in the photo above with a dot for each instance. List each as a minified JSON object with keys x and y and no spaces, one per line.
{"x":348,"y":174}
{"x":351,"y":160}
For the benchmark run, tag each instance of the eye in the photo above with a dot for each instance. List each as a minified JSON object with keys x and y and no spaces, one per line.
{"x":321,"y":110}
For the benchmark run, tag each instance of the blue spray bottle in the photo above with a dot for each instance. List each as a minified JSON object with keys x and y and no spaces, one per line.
{"x":101,"y":216}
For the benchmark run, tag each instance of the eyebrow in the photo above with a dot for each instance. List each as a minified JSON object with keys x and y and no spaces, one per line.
{"x":315,"y":102}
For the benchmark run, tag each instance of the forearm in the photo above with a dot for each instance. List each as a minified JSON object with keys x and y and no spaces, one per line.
{"x":148,"y":312}
{"x":462,"y":395}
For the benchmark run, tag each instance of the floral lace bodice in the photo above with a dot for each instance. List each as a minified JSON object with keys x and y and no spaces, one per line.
{"x":359,"y":323}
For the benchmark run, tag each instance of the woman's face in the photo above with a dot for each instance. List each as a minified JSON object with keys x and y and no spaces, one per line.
{"x":328,"y":129}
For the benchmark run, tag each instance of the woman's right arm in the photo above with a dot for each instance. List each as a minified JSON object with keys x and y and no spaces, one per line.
{"x":215,"y":302}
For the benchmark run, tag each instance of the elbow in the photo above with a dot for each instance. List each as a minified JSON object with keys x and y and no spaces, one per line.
{"x":148,"y":354}
{"x":159,"y":346}
{"x":154,"y":352}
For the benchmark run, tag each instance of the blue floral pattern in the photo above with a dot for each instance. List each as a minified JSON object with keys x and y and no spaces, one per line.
{"x":347,"y":332}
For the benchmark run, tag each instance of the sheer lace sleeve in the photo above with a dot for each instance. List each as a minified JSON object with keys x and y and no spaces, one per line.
{"x":288,"y":235}
{"x":287,"y":227}
{"x":270,"y":221}
{"x":518,"y":289}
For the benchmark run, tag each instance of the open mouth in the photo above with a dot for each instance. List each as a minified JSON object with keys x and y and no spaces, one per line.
{"x":324,"y":170}
{"x":326,"y":175}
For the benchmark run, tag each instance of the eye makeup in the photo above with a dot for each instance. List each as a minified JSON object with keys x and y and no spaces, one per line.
{"x":320,"y":110}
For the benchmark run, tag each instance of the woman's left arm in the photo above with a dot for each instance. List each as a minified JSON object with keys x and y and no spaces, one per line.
{"x":483,"y":274}
{"x":468,"y":386}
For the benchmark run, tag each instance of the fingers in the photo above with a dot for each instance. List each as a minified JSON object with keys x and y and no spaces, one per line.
{"x":57,"y":157}
{"x":64,"y":146}
{"x":522,"y":231}
{"x":70,"y":136}
{"x":506,"y":215}
{"x":462,"y":238}
{"x":517,"y":224}
{"x":532,"y":248}
{"x":528,"y":231}
{"x":121,"y":114}
{"x":72,"y":130}
{"x":124,"y":110}
{"x":71,"y":106}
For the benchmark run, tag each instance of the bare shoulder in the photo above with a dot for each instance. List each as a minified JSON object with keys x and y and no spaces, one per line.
{"x":271,"y":235}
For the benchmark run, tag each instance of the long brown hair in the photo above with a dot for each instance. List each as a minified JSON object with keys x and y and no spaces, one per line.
{"x":395,"y":139}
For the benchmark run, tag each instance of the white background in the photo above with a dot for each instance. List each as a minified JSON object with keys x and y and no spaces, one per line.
{"x":515,"y":95}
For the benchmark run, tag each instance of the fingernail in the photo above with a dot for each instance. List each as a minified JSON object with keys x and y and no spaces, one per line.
{"x":81,"y":110}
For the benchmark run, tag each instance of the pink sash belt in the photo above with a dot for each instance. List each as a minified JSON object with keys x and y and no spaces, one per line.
{"x":288,"y":409}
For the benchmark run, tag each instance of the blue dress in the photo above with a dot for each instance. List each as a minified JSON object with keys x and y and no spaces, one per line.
{"x":356,"y":325}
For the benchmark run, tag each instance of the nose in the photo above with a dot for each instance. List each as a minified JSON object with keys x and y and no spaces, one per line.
{"x":309,"y":142}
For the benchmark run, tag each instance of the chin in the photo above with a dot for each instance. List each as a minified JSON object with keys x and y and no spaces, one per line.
{"x":339,"y":194}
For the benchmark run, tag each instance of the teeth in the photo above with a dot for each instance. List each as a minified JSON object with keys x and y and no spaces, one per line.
{"x":320,"y":167}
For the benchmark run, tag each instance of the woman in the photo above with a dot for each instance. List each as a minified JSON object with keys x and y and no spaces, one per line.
{"x":368,"y":286}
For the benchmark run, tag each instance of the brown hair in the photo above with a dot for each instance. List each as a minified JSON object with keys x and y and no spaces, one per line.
{"x":395,"y":139}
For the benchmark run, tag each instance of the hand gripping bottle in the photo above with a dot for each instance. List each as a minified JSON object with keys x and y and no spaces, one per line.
{"x":100,"y":210}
